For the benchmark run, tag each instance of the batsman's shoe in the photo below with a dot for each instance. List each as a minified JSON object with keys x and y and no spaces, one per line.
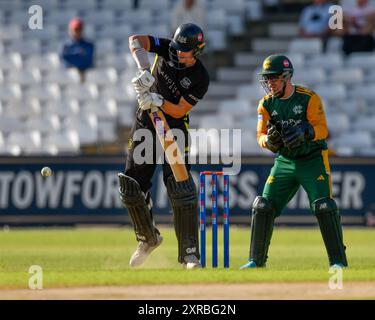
{"x":249,"y":265}
{"x":143,"y":251}
{"x":191,"y":262}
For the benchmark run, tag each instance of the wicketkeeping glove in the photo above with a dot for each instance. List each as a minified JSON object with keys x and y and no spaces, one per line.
{"x":294,"y":136}
{"x":148,"y":100}
{"x":274,"y":139}
{"x":143,"y":81}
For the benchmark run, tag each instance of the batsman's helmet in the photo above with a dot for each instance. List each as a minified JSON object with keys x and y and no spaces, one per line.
{"x":187,"y":37}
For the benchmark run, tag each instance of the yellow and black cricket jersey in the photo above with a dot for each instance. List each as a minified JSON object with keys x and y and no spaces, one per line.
{"x":302,"y":105}
{"x":191,"y":83}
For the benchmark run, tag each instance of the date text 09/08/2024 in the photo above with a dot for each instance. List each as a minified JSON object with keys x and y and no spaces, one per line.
{"x":188,"y":309}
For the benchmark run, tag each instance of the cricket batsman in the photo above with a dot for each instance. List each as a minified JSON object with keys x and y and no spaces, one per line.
{"x":292,"y":124}
{"x":178,"y":80}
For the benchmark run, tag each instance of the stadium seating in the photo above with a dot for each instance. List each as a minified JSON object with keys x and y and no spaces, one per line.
{"x":362,"y":60}
{"x":23,"y":109}
{"x":11,"y":61}
{"x":27,"y":141}
{"x":283,"y":30}
{"x":309,"y":77}
{"x":329,"y":61}
{"x":63,"y":142}
{"x":311,"y":47}
{"x":347,"y":76}
{"x":9,"y":124}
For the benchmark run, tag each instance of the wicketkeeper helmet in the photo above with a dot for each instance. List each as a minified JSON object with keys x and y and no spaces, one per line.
{"x":276,"y":65}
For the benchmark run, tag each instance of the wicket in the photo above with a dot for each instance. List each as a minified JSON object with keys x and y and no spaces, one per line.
{"x":202,"y":211}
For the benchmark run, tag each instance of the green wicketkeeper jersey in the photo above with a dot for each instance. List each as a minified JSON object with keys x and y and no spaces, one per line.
{"x":302,"y":105}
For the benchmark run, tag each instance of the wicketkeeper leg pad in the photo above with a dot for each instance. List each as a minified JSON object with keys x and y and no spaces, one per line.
{"x":263,"y":216}
{"x":134,"y":200}
{"x":328,"y":217}
{"x":184,"y":201}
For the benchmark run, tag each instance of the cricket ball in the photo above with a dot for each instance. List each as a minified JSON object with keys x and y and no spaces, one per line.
{"x":46,"y":172}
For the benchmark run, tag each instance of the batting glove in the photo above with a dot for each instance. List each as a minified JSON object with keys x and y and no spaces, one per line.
{"x":143,"y":81}
{"x":149,"y":100}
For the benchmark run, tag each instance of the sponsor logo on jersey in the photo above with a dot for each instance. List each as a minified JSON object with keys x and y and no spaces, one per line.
{"x":193,"y":98}
{"x":185,"y":82}
{"x":274,"y":113}
{"x":260,"y":117}
{"x":290,"y":122}
{"x":181,"y":39}
{"x":320,"y":178}
{"x":298,"y":109}
{"x":169,"y":83}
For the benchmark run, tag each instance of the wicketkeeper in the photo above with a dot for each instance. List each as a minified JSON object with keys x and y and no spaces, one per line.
{"x":175,"y":83}
{"x":292,"y":123}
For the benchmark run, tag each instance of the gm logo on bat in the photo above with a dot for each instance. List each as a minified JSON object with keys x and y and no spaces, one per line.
{"x":159,"y":124}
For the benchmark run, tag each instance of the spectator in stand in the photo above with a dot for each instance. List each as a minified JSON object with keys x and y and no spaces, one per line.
{"x":359,"y":27}
{"x":77,"y":52}
{"x":314,"y":21}
{"x":188,"y":11}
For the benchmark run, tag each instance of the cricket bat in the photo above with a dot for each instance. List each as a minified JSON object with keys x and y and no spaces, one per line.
{"x":172,"y":152}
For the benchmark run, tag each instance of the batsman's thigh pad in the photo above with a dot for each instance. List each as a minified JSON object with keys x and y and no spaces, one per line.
{"x":263,"y":215}
{"x":328,"y":217}
{"x":184,"y":201}
{"x":134,"y":200}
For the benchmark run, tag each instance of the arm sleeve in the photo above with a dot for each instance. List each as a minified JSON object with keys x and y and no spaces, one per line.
{"x":317,"y":118}
{"x":159,"y":46}
{"x":263,"y":117}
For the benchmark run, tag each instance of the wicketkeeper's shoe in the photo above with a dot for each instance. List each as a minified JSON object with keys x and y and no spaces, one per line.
{"x":191,"y":262}
{"x":249,"y":265}
{"x":337,"y":266}
{"x":143,"y":251}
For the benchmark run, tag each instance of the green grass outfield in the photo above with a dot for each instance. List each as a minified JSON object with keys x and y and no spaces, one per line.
{"x":90,"y":257}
